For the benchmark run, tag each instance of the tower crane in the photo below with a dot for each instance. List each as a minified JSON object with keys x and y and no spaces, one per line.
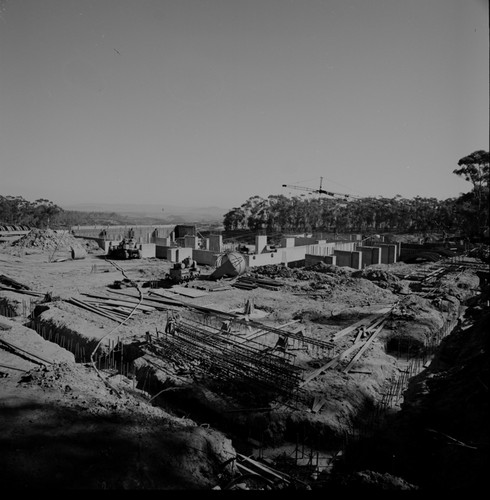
{"x":321,"y":191}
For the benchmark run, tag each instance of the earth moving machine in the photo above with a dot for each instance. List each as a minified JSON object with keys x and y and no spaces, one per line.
{"x":184,"y":271}
{"x":126,"y":249}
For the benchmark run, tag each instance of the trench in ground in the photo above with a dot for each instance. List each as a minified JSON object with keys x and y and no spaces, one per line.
{"x":300,"y":443}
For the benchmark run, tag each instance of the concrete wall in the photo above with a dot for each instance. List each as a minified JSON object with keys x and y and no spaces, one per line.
{"x":215,"y":242}
{"x":311,"y":260}
{"x":346,"y":246}
{"x":287,"y":242}
{"x":161,"y":252}
{"x":191,"y":242}
{"x":321,"y":249}
{"x":338,"y":236}
{"x":260,"y":243}
{"x":148,"y":250}
{"x":370,"y":255}
{"x":264,"y":259}
{"x":173,"y":254}
{"x":183,"y":253}
{"x":142,"y":234}
{"x":205,"y":257}
{"x":348,"y":259}
{"x":291,"y":254}
{"x":285,"y":255}
{"x":163,"y":242}
{"x":341,"y":253}
{"x":304,"y":240}
{"x":389,"y":253}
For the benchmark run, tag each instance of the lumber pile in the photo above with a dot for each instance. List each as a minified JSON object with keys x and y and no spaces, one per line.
{"x":250,"y":283}
{"x":11,"y":285}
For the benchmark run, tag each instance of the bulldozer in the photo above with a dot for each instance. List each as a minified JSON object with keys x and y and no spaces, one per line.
{"x":126,"y":249}
{"x":185,"y":271}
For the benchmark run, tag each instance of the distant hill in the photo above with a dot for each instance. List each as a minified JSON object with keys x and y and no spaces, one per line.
{"x":170,"y":213}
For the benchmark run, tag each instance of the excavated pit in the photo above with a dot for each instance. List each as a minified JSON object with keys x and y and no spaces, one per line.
{"x":256,"y":421}
{"x":254,"y":426}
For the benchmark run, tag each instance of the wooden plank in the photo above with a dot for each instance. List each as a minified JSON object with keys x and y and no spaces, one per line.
{"x":22,"y":291}
{"x":364,"y":321}
{"x":363,"y":348}
{"x":318,"y":403}
{"x":88,"y":307}
{"x":13,"y":283}
{"x":166,"y":295}
{"x":261,"y":467}
{"x":151,"y":301}
{"x":125,"y":303}
{"x":259,"y":333}
{"x":117,"y":310}
{"x":330,"y":364}
{"x":189,"y":292}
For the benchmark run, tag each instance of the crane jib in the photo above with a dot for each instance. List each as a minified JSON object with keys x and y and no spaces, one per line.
{"x":320,"y":191}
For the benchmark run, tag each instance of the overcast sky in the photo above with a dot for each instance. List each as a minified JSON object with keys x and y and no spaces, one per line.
{"x":210,"y":102}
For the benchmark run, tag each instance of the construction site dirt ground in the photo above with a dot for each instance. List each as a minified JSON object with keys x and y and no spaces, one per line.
{"x":66,"y":425}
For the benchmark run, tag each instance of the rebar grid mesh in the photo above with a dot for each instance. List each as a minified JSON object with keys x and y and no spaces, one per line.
{"x":221,"y":356}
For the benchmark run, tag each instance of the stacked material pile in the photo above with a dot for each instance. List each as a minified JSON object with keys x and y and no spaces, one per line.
{"x":249,"y":283}
{"x":55,"y":243}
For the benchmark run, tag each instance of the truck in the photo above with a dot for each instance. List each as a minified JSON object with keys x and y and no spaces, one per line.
{"x":185,"y":271}
{"x":126,"y":249}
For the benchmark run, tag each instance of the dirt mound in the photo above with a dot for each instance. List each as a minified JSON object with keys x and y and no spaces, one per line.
{"x":461,"y":285}
{"x":376,"y":275}
{"x":416,"y":322}
{"x":279,"y":271}
{"x":369,"y":481}
{"x":51,"y":242}
{"x":381,"y":278}
{"x":64,"y":428}
{"x":322,"y":267}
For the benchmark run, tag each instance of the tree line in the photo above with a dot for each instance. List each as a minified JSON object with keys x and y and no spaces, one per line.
{"x":43,"y":213}
{"x":467,"y":214}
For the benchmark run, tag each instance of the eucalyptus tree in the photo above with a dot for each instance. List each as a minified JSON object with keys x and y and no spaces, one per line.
{"x":474,"y":205}
{"x":234,"y":219}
